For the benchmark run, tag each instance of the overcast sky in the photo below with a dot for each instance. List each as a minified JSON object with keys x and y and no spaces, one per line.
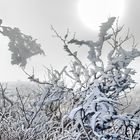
{"x":34,"y":17}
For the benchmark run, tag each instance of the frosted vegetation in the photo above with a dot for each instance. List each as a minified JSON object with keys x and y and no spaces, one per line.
{"x":90,"y":107}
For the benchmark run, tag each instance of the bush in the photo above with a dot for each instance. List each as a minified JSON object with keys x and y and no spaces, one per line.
{"x":89,"y":107}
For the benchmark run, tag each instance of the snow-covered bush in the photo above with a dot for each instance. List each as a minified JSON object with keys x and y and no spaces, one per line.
{"x":89,"y":107}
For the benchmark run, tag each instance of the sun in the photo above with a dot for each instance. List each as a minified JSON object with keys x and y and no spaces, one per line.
{"x":94,"y":12}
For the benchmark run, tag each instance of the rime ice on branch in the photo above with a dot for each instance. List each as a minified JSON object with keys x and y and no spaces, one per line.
{"x":95,"y":115}
{"x":22,"y":46}
{"x":89,"y":108}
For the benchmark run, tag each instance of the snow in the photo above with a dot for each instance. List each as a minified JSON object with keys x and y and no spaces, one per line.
{"x":85,"y":109}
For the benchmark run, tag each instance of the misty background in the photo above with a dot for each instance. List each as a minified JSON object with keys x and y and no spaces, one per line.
{"x":34,"y":17}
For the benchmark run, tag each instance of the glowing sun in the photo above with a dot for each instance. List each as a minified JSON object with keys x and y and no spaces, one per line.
{"x":94,"y":12}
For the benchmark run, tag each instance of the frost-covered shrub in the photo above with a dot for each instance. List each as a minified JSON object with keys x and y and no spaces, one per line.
{"x":86,"y":109}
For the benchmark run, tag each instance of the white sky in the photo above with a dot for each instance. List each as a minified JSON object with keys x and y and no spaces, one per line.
{"x":34,"y":17}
